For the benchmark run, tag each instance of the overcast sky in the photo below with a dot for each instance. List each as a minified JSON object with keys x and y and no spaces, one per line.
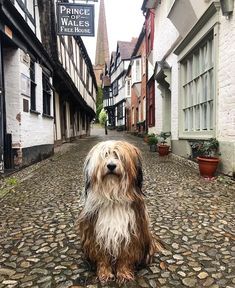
{"x":124,"y":21}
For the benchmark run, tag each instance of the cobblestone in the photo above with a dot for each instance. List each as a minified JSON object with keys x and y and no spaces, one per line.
{"x":194,"y":217}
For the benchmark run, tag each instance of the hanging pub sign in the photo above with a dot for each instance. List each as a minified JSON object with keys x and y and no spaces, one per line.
{"x":75,"y":19}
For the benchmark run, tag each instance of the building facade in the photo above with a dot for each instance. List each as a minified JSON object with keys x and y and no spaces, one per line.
{"x":74,"y":80}
{"x":120,"y":94}
{"x":136,"y":74}
{"x":193,"y":82}
{"x":26,"y":94}
{"x":47,"y":84}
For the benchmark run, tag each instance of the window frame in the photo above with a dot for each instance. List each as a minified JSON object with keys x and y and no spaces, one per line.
{"x":33,"y":86}
{"x":192,"y":42}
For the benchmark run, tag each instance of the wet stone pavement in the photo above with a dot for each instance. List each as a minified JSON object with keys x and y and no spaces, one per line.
{"x":39,"y":246}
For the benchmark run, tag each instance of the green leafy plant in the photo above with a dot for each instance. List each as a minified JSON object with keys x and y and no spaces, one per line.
{"x":206,"y":148}
{"x":11,"y":181}
{"x":152,"y":140}
{"x":102,"y":117}
{"x":163,"y":136}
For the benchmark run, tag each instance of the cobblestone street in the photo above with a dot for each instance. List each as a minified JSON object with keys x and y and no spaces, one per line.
{"x":194,"y":217}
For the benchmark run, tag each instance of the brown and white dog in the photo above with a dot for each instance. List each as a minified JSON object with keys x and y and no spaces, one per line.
{"x":114,"y":223}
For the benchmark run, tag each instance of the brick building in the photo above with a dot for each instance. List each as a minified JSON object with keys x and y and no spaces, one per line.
{"x":136,"y":74}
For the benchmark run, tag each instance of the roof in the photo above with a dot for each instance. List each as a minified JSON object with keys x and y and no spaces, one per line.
{"x":126,"y":48}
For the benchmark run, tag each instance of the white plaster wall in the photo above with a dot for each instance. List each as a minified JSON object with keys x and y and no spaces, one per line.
{"x":12,"y":94}
{"x":200,"y":6}
{"x":165,"y":32}
{"x":158,"y":109}
{"x":165,"y":40}
{"x":36,"y":129}
{"x":226,"y":80}
{"x":226,"y":94}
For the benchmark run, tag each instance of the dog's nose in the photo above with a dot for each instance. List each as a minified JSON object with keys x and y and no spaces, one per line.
{"x":111,"y":166}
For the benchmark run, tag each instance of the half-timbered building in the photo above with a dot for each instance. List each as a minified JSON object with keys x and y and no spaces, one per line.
{"x":26,"y":93}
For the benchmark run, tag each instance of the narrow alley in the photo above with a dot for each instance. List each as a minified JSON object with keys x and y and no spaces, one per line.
{"x":39,"y":246}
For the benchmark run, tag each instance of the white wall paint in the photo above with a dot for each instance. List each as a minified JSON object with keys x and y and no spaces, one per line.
{"x":165,"y":38}
{"x":12,"y":92}
{"x":226,"y":80}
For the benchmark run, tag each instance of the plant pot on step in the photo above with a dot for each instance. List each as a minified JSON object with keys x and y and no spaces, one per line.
{"x":163,"y":150}
{"x":208,"y":166}
{"x":207,"y":151}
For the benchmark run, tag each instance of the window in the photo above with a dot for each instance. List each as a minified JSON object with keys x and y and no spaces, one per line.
{"x":46,"y":87}
{"x":198,"y":83}
{"x":137,"y":70}
{"x":115,"y":88}
{"x":32,"y":86}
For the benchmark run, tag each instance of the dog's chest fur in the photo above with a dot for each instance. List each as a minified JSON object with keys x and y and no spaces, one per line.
{"x":114,"y":226}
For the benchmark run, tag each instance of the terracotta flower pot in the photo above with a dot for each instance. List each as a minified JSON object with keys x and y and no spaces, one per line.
{"x":208,"y":166}
{"x":163,"y":150}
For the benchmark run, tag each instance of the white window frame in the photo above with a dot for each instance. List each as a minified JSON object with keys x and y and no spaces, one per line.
{"x":210,"y":27}
{"x":138,"y":70}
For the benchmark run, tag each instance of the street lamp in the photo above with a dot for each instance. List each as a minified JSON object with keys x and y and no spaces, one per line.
{"x":227,"y":7}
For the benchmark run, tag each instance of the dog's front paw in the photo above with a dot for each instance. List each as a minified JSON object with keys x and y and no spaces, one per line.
{"x":124,"y":275}
{"x":105,"y":274}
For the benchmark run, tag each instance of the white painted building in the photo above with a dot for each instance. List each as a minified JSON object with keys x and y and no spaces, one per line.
{"x":47,"y":84}
{"x":194,"y":75}
{"x":26,"y":103}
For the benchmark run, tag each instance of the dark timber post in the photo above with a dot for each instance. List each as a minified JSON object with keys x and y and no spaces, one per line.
{"x":1,"y":113}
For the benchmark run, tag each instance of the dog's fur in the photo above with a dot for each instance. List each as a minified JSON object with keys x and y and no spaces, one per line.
{"x":114,"y":223}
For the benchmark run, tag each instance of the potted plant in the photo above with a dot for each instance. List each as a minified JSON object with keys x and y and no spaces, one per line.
{"x":147,"y":136}
{"x":152,"y":142}
{"x":208,"y":159}
{"x":163,"y":148}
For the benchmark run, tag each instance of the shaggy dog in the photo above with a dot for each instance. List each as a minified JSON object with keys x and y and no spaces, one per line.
{"x":114,"y":222}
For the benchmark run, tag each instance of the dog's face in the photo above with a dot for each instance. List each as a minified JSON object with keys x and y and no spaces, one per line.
{"x":113,"y":163}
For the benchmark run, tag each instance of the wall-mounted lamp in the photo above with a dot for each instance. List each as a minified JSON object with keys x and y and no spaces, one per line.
{"x":227,"y":7}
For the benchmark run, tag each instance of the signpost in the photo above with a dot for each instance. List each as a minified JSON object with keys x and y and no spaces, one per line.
{"x":75,"y":19}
